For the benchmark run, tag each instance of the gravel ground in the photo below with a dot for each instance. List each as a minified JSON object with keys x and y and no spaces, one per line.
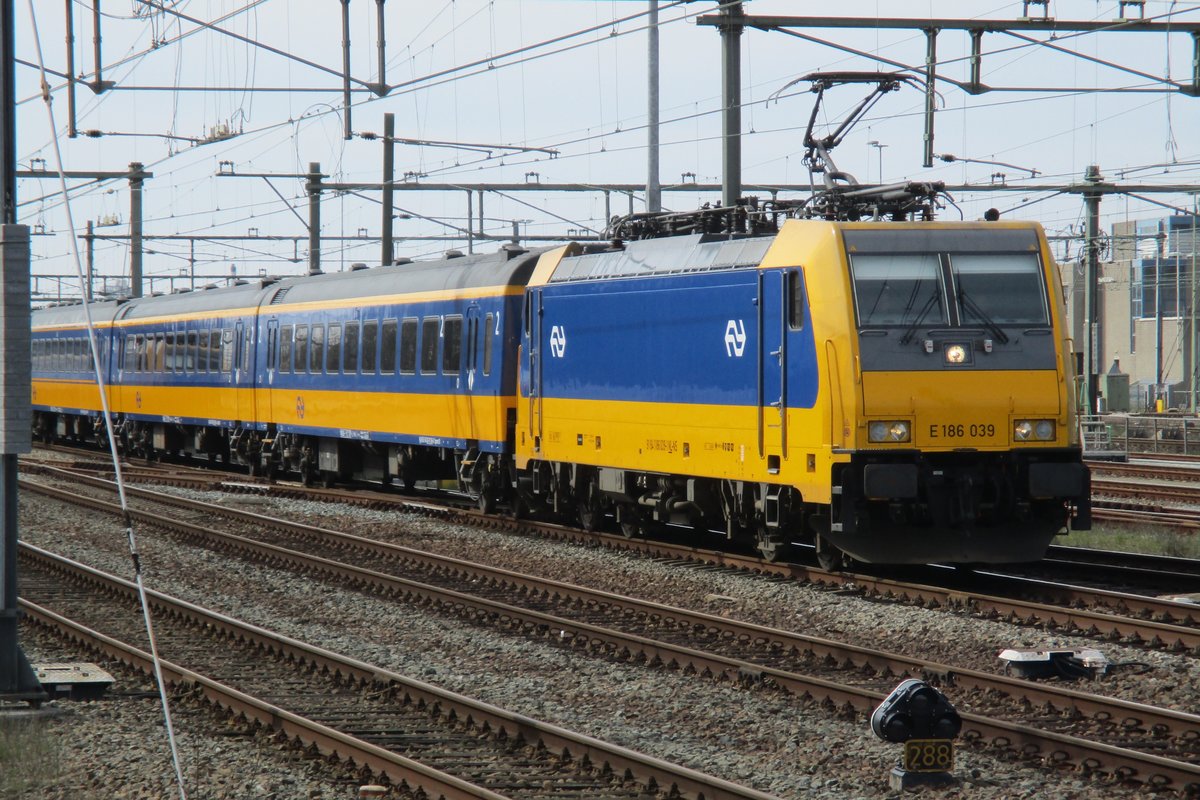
{"x":776,"y":743}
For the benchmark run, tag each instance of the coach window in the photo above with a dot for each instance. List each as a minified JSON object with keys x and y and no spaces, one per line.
{"x":333,"y":349}
{"x":408,"y":346}
{"x":452,"y":346}
{"x":191,"y":362}
{"x":488,"y":321}
{"x":285,"y":348}
{"x":214,"y":350}
{"x":429,"y":343}
{"x":226,"y":350}
{"x":169,"y":352}
{"x":370,"y":337}
{"x":387,"y":347}
{"x":160,"y":352}
{"x":202,"y":351}
{"x":795,"y":300}
{"x":301,"y":355}
{"x":316,"y":349}
{"x":246,"y":350}
{"x":350,"y":347}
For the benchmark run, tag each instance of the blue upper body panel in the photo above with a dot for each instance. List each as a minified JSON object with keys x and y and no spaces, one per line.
{"x":687,"y":338}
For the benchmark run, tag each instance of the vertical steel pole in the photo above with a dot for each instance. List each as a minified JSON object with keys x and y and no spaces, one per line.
{"x":653,"y":187}
{"x":470,"y":222}
{"x":90,"y":241}
{"x":1191,"y":360}
{"x":1092,"y":328}
{"x":731,"y":94}
{"x":99,"y":85}
{"x":976,"y":83}
{"x":381,"y":46}
{"x":347,"y":129}
{"x":389,"y":178}
{"x":481,"y":228}
{"x":136,"y":176}
{"x":17,"y":679}
{"x":313,"y":188}
{"x":71,"y":132}
{"x":930,"y":93}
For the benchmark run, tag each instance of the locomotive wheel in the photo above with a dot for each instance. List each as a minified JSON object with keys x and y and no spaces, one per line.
{"x":516,"y":507}
{"x":830,"y":557}
{"x":486,"y":502}
{"x":773,"y":545}
{"x":631,"y":524}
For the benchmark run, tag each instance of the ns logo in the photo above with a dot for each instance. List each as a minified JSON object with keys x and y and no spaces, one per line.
{"x":558,"y":341}
{"x":735,"y":338}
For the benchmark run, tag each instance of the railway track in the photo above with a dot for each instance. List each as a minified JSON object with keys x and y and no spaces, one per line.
{"x":1156,"y":621}
{"x":1126,"y":739}
{"x":410,"y":732}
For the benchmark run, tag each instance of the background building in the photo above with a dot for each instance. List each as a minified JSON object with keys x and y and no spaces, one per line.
{"x":1148,"y":300}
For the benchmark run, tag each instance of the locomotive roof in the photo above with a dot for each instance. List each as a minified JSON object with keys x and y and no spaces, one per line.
{"x":500,"y":269}
{"x":696,"y":253}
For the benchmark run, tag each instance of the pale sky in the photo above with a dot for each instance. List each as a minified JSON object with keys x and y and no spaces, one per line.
{"x":584,"y":96}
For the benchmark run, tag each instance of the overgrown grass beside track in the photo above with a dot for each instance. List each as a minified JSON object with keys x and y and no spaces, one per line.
{"x":1140,"y":539}
{"x":30,"y":760}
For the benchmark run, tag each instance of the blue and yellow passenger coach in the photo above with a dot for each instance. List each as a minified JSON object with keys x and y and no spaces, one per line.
{"x":897,"y":393}
{"x":405,"y":371}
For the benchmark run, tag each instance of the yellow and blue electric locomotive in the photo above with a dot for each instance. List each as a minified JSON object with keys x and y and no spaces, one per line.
{"x":895,"y":392}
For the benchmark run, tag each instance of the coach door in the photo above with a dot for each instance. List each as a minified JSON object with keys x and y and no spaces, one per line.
{"x":471,"y":370}
{"x":266,"y":383}
{"x":243,"y":372}
{"x":772,"y":367}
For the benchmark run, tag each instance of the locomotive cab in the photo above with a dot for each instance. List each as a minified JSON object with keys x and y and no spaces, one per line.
{"x":966,"y":448}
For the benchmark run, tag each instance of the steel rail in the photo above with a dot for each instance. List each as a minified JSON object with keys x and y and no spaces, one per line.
{"x":1130,"y":763}
{"x":1147,"y":630}
{"x":646,"y":769}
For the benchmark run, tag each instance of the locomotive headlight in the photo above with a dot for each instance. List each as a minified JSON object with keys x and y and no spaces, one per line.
{"x":888,"y":431}
{"x":1033,"y":430}
{"x":956,"y":354}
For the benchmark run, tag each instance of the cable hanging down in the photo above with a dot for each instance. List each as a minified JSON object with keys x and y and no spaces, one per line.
{"x":94,"y":349}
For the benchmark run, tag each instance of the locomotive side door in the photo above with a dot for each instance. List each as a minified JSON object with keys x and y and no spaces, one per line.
{"x":533,"y":326}
{"x":772,"y":367}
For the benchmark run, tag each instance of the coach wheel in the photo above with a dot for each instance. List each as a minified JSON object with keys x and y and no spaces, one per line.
{"x":773,"y":545}
{"x":486,"y":501}
{"x":591,"y":506}
{"x":829,"y":557}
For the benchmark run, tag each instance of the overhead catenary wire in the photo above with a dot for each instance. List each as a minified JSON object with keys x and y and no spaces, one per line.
{"x":496,"y":65}
{"x":94,"y":348}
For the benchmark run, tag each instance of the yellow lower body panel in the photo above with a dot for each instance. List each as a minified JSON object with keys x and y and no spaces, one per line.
{"x":682,"y":439}
{"x":956,"y":410}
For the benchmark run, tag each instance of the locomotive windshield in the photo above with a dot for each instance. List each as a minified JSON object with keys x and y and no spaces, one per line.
{"x":909,"y":282}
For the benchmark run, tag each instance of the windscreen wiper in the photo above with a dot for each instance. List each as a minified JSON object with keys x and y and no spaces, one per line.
{"x":911,"y":330}
{"x":974,"y":308}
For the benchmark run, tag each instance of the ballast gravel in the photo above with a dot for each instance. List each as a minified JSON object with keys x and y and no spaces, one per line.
{"x":774,"y":742}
